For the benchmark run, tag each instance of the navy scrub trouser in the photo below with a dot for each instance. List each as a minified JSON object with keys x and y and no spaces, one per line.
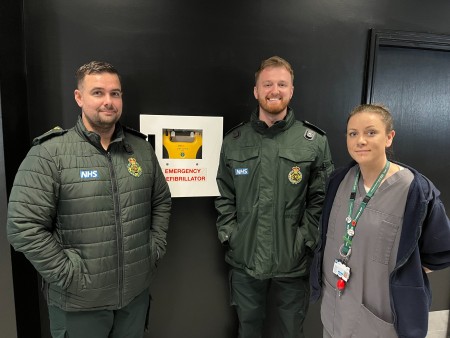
{"x":128,"y":321}
{"x":249,"y":296}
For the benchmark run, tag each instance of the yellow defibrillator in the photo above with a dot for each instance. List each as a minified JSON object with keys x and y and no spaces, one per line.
{"x":182,"y":144}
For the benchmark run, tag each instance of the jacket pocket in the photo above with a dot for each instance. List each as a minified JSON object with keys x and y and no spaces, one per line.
{"x":244,"y":166}
{"x":77,"y":272}
{"x":243,"y":154}
{"x":295,"y":168}
{"x":371,"y":326}
{"x":299,"y":245}
{"x":242,"y":238}
{"x":297,"y":155}
{"x":153,"y":254}
{"x":243,"y":161}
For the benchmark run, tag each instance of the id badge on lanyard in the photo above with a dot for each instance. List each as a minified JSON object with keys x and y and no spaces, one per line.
{"x":340,"y":269}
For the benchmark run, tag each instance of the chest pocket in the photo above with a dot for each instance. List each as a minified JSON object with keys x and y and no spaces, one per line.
{"x":246,"y":158}
{"x":244,"y":167}
{"x":295,"y":165}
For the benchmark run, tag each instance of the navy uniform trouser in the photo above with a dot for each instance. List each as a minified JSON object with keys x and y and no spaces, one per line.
{"x":129,"y":321}
{"x":249,"y":296}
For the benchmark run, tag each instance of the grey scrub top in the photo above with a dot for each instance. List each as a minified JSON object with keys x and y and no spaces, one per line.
{"x":363,"y":310}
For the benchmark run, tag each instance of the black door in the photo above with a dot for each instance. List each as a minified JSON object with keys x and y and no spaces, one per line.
{"x":410,"y":74}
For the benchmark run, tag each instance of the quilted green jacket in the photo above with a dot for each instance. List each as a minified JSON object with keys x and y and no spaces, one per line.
{"x":92,"y":222}
{"x":272,"y":187}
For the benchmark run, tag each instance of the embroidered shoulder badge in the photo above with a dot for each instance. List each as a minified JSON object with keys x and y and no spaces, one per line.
{"x":134,"y":168}
{"x":295,"y":175}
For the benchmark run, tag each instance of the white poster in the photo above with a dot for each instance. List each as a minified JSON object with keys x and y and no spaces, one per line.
{"x":188,"y":150}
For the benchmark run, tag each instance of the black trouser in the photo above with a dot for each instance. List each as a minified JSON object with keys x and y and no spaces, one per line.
{"x":249,"y":296}
{"x":128,"y":321}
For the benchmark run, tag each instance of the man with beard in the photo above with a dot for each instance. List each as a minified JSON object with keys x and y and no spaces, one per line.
{"x":90,"y":210}
{"x":271,"y":177}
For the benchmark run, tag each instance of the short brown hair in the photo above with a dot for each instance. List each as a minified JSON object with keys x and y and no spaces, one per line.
{"x":95,"y":67}
{"x":379,"y":109}
{"x":274,"y":61}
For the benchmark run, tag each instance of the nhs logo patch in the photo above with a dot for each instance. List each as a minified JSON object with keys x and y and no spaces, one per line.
{"x":88,"y":174}
{"x":240,"y":171}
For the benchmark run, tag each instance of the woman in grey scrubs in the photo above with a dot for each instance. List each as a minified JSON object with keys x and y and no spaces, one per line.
{"x":383,"y":228}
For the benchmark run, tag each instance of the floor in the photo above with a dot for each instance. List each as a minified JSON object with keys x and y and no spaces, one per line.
{"x":439,"y":324}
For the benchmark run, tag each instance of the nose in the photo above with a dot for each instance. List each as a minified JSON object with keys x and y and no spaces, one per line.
{"x":275,"y":89}
{"x":108,"y":100}
{"x":361,"y":140}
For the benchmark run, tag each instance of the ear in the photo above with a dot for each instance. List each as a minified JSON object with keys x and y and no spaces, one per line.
{"x":255,"y":92}
{"x":78,"y":97}
{"x":390,"y":138}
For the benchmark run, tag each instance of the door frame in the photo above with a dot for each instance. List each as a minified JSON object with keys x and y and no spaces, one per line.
{"x":395,"y":38}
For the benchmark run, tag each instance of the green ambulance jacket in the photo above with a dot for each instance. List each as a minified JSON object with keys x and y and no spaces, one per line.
{"x":272,"y":186}
{"x":92,"y":222}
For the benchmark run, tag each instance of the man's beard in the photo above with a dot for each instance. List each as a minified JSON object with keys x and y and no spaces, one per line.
{"x":272,"y":108}
{"x":103,"y":123}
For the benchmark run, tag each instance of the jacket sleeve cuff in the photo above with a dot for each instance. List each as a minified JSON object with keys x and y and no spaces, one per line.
{"x":223,"y":237}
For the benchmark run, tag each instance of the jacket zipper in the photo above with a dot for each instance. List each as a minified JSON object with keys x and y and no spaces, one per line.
{"x":118,"y":228}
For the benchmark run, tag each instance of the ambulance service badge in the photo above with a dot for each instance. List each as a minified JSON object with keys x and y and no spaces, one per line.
{"x":295,"y":175}
{"x":134,"y":168}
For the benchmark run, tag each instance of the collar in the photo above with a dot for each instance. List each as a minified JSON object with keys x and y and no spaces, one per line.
{"x":94,"y":138}
{"x":279,"y":126}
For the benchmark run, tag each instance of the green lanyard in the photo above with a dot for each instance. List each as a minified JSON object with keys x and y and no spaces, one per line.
{"x":345,"y":249}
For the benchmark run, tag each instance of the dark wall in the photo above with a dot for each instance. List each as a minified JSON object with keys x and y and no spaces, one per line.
{"x":198,"y":58}
{"x":14,"y":144}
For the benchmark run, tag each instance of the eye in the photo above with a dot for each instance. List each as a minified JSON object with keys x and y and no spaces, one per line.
{"x":97,"y":93}
{"x":371,"y":133}
{"x":117,"y":94}
{"x":351,"y":133}
{"x":283,"y":85}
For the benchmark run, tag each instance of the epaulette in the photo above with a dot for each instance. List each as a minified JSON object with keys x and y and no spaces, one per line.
{"x":236,"y":133}
{"x":57,"y":131}
{"x":316,"y":128}
{"x":310,"y":133}
{"x":134,"y":132}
